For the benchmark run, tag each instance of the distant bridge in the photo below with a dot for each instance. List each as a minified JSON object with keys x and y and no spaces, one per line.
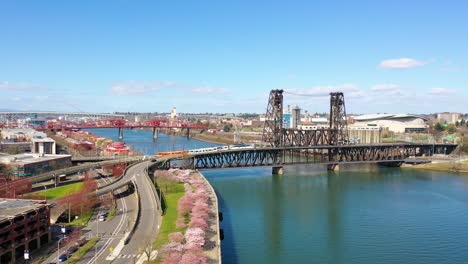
{"x":15,"y":114}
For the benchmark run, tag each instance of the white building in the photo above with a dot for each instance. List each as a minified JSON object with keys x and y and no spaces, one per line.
{"x":399,"y":123}
{"x":449,"y":118}
{"x":295,"y":117}
{"x":173,"y":114}
{"x":39,"y":141}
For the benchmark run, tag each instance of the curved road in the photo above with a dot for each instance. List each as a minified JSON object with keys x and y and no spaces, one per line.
{"x":150,"y":214}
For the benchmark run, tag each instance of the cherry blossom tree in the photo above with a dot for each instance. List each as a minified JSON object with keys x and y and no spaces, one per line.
{"x":191,"y":258}
{"x":177,"y":237}
{"x":185,"y":204}
{"x":172,"y":258}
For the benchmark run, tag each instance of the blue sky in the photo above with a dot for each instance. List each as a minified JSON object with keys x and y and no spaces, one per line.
{"x":225,"y":56}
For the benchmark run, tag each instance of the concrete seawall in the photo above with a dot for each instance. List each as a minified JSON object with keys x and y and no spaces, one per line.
{"x":215,"y":253}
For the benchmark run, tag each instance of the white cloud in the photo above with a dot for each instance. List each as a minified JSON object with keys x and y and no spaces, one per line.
{"x":441,"y":91}
{"x":402,"y":63}
{"x":210,"y":90}
{"x":349,"y":90}
{"x":385,"y":87}
{"x":5,"y":85}
{"x":139,"y":87}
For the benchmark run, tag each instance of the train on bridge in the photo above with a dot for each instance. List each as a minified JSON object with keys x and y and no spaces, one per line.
{"x":204,"y":150}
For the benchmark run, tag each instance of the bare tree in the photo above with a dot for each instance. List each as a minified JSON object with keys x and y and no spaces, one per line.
{"x":149,"y":248}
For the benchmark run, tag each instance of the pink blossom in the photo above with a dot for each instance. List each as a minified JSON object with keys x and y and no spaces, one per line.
{"x":185,"y":204}
{"x":177,"y":237}
{"x":195,"y":236}
{"x":180,"y":222}
{"x":172,"y":258}
{"x":193,"y":248}
{"x":190,"y":258}
{"x":201,"y":207}
{"x":172,"y":247}
{"x":198,"y":222}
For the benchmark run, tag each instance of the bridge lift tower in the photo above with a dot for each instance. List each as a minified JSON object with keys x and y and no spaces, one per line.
{"x":338,"y":120}
{"x":273,"y":127}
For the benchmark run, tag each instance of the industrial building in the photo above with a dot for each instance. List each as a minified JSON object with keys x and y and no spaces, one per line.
{"x":449,"y":118}
{"x":295,"y":117}
{"x":24,"y":165}
{"x":24,"y":226}
{"x":365,"y":135}
{"x":28,"y":139}
{"x":398,"y":123}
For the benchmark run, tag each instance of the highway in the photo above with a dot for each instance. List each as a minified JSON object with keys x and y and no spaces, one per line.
{"x":112,"y":231}
{"x":150,"y":213}
{"x":147,"y":226}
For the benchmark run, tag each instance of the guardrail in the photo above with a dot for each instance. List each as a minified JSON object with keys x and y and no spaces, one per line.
{"x":52,"y":174}
{"x":215,"y":198}
{"x":137,"y":219}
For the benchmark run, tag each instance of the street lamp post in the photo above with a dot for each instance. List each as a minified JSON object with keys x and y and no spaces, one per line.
{"x":26,"y":256}
{"x":58,"y":247}
{"x":63,"y":229}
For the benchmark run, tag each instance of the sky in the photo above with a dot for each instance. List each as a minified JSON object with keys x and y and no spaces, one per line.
{"x":394,"y":56}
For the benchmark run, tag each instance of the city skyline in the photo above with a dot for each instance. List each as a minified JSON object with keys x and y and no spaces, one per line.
{"x":212,"y":57}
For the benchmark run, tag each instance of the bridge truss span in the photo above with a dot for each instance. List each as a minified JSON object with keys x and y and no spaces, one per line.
{"x":278,"y":156}
{"x":296,"y":137}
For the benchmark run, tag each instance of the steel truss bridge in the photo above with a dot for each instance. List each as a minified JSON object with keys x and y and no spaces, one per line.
{"x":385,"y":154}
{"x":119,"y":124}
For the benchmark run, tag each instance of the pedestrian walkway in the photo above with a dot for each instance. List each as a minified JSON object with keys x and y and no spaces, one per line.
{"x":128,"y":256}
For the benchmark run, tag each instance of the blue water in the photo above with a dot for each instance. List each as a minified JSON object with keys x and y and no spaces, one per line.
{"x":142,"y":140}
{"x":357,"y":215}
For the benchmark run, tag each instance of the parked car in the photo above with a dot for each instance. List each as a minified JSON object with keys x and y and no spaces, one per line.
{"x":102,"y":218}
{"x":81,"y":242}
{"x":104,"y":213}
{"x":63,"y":258}
{"x":72,"y":249}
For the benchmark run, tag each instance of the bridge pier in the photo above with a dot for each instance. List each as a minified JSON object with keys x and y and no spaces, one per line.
{"x":188,"y":133}
{"x":277,"y":170}
{"x":155,"y":133}
{"x":333,"y":167}
{"x":120,"y":133}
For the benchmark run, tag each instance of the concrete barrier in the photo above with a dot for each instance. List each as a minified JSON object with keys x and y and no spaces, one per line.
{"x":215,"y":204}
{"x":137,"y":219}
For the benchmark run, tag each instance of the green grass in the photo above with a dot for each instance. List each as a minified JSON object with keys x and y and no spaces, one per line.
{"x":82,"y":251}
{"x":59,"y":192}
{"x":112,"y":213}
{"x":169,"y":219}
{"x":83,"y":220}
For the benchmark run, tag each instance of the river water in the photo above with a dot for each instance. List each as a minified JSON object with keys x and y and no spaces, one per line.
{"x":361,"y":214}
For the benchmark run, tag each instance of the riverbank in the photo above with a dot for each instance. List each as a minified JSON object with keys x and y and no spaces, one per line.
{"x":190,"y":226}
{"x":88,"y":144}
{"x":447,"y":166}
{"x":214,"y":254}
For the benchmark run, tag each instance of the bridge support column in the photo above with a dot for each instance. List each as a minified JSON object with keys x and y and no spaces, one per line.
{"x":277,"y":170}
{"x":120,"y":133}
{"x":333,"y":167}
{"x":155,"y":133}
{"x":188,"y":133}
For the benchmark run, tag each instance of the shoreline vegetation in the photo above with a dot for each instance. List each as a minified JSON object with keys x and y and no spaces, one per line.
{"x":189,"y":229}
